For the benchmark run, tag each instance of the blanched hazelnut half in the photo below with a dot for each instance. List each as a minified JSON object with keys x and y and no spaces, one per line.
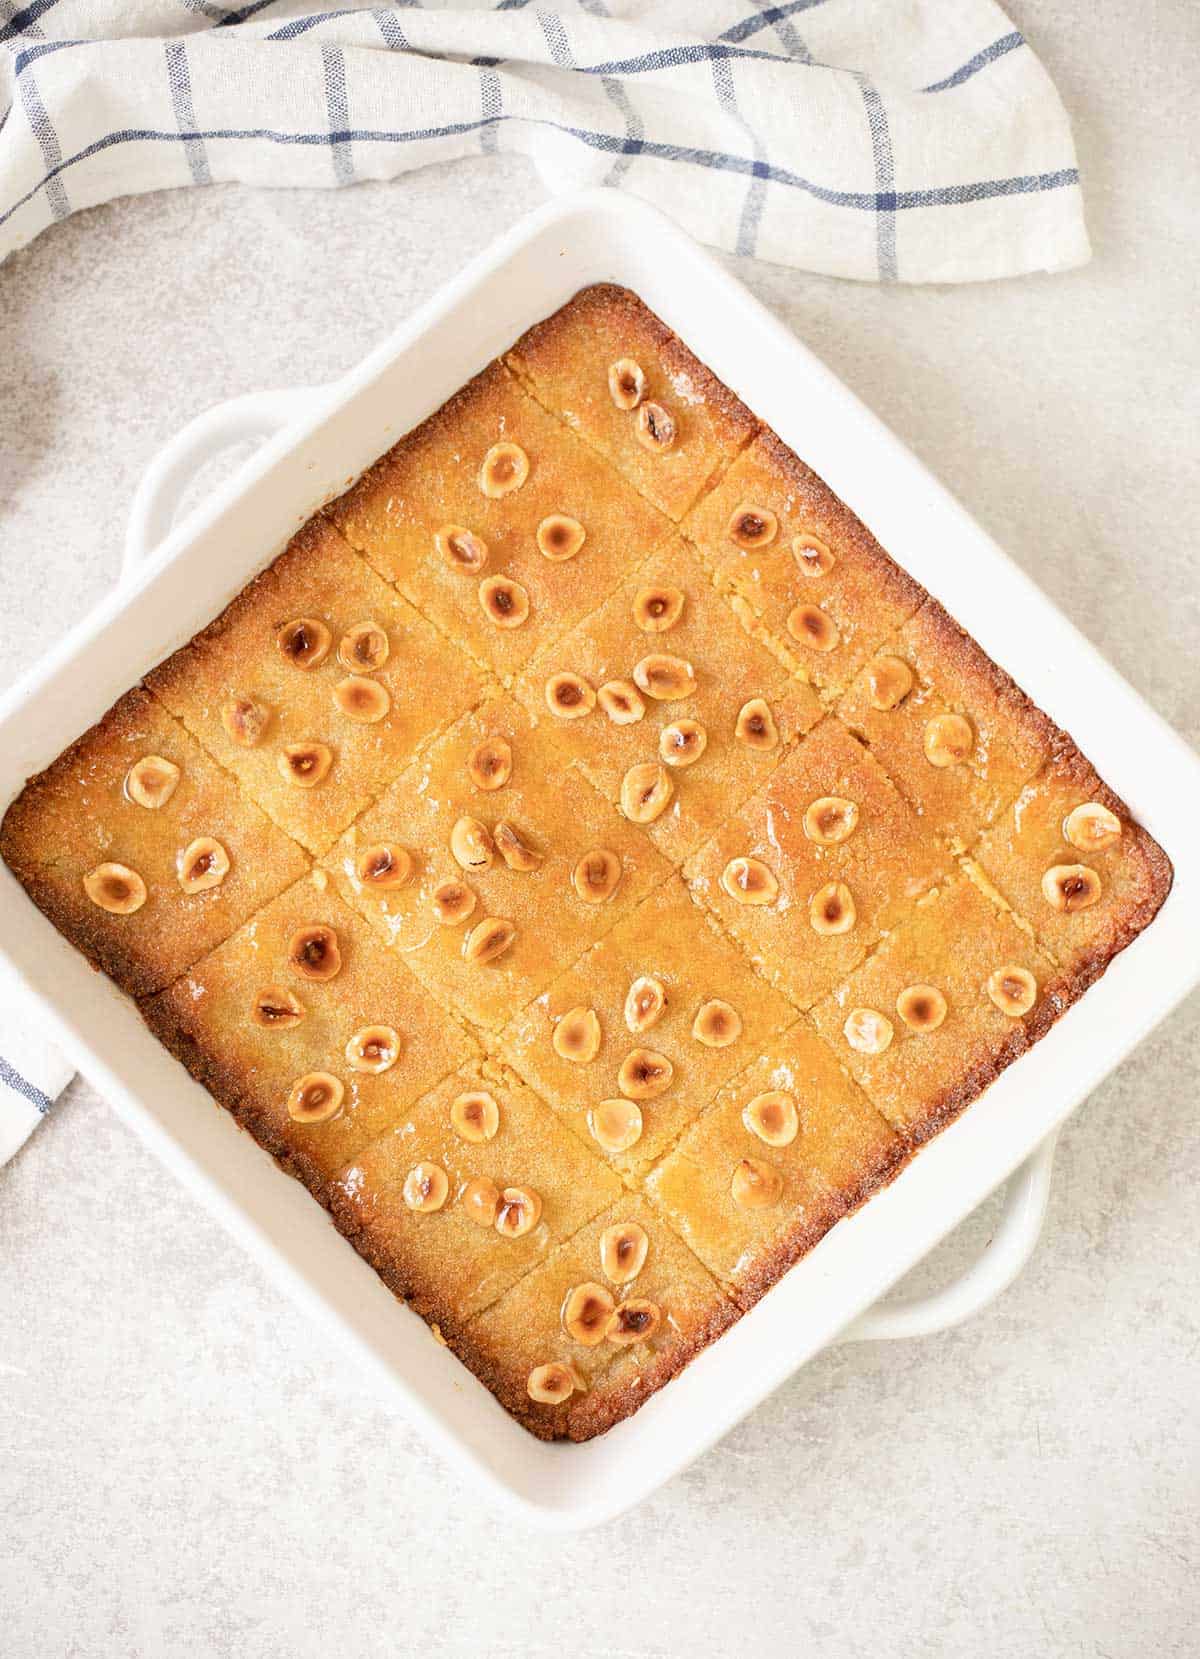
{"x":480,"y":1201}
{"x":889,"y":681}
{"x":373,"y":1050}
{"x":245,"y":720}
{"x":656,"y":610}
{"x":364,"y":648}
{"x":621,"y":701}
{"x":488,"y":939}
{"x":151,"y":781}
{"x":1013,"y":990}
{"x":749,"y":881}
{"x":921,"y":1007}
{"x":634,"y":1321}
{"x":867,"y":1031}
{"x":560,"y":537}
{"x":304,"y":764}
{"x":682,"y":742}
{"x":475,"y":1116}
{"x":752,"y":527}
{"x":115,"y":888}
{"x":1070,"y":887}
{"x":717,"y":1024}
{"x":305,"y":642}
{"x":831,"y":820}
{"x":471,"y":844}
{"x":577,"y":1036}
{"x":586,"y":1311}
{"x":315,"y":1098}
{"x":812,"y":626}
{"x":832,"y":910}
{"x":813,"y":556}
{"x":756,"y":726}
{"x":646,"y":791}
{"x":504,"y":601}
{"x":626,"y":383}
{"x":597,"y":875}
{"x":655,"y":428}
{"x":519,"y":1212}
{"x":623,"y":1250}
{"x":505,"y":468}
{"x":772,"y":1117}
{"x":276,"y":1009}
{"x":490,"y":763}
{"x":384,"y":864}
{"x":362,"y":700}
{"x":755,"y":1185}
{"x":550,"y":1385}
{"x":202,"y":864}
{"x":1091,"y":827}
{"x":616,"y":1125}
{"x":516,"y":851}
{"x":569,"y":697}
{"x":426,"y":1188}
{"x":462,"y":549}
{"x":314,"y":952}
{"x":453,"y":902}
{"x":644,"y":1075}
{"x":949,"y":739}
{"x":645,"y":1003}
{"x":667,"y":679}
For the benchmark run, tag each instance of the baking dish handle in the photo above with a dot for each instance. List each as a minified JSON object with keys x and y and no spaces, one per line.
{"x":1003,"y":1257}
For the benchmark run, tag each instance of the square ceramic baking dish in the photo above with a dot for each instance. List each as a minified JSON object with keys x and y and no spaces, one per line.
{"x":200,"y":565}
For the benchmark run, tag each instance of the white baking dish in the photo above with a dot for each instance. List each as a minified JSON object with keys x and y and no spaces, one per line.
{"x":198,"y":567}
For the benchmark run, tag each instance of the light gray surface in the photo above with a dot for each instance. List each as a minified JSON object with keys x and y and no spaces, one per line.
{"x":188,"y":1468}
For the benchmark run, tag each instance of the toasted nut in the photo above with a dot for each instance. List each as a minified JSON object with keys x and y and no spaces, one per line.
{"x":505,"y":468}
{"x":315,"y":1098}
{"x":657,"y":610}
{"x":813,"y":627}
{"x":1013,"y":990}
{"x":426,"y":1188}
{"x":462,"y":549}
{"x":472,"y":845}
{"x":364,"y":649}
{"x":623,"y":1249}
{"x":513,"y":848}
{"x":586,"y":1311}
{"x":475,"y":1116}
{"x":314,"y":952}
{"x":616,"y":1125}
{"x":560,"y":537}
{"x":682,"y":742}
{"x":644,"y":1075}
{"x":717,"y":1024}
{"x":646,"y":792}
{"x":490,"y":763}
{"x":634,"y":1321}
{"x":245,"y":720}
{"x":569,"y":697}
{"x":453,"y":902}
{"x":655,"y":428}
{"x":276,"y":1009}
{"x":115,"y":888}
{"x":363,"y":700}
{"x":813,"y":556}
{"x":577,"y":1036}
{"x":756,"y":726}
{"x":949,"y":739}
{"x":666,"y":679}
{"x":384,"y":864}
{"x":519,"y":1213}
{"x":202,"y":864}
{"x":504,"y":601}
{"x":749,"y":881}
{"x":867,"y":1031}
{"x":621,"y":701}
{"x":480,"y":1201}
{"x":752,"y":527}
{"x":1091,"y":827}
{"x":304,"y":764}
{"x":830,"y":820}
{"x":1071,"y":887}
{"x":626,"y":383}
{"x":305,"y":642}
{"x":373,"y":1050}
{"x":597,"y":875}
{"x":488,"y":939}
{"x":755,"y":1185}
{"x":772,"y":1117}
{"x":921,"y":1007}
{"x":152,"y":781}
{"x":645,"y":1004}
{"x":550,"y":1385}
{"x":889,"y":681}
{"x":832,"y":909}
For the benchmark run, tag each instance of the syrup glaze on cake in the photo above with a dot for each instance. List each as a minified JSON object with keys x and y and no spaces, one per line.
{"x":588,"y":862}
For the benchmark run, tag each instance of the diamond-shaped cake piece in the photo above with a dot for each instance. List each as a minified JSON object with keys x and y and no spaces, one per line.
{"x":778,"y":539}
{"x":286,"y":998}
{"x":955,"y":734}
{"x":953,"y":995}
{"x":610,"y":369}
{"x":816,"y":1148}
{"x":810,"y":871}
{"x":312,"y":713}
{"x":487,"y":1133}
{"x":514,"y":853}
{"x":534,"y":560}
{"x":664,"y":981}
{"x":668,"y":619}
{"x":138,"y":794}
{"x":661,"y":1290}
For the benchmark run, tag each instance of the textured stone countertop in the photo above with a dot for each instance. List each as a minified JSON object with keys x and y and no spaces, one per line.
{"x":188,"y":1467}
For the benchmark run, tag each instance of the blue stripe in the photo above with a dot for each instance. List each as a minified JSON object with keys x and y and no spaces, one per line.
{"x":44,"y":131}
{"x":756,"y":195}
{"x":28,"y":54}
{"x":393,"y":35}
{"x":339,"y":112}
{"x":22,"y":20}
{"x":180,"y":83}
{"x":242,"y":14}
{"x":301,"y":25}
{"x":767,"y":19}
{"x":491,"y":103}
{"x":20,"y":1085}
{"x":885,"y":179}
{"x":998,"y":49}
